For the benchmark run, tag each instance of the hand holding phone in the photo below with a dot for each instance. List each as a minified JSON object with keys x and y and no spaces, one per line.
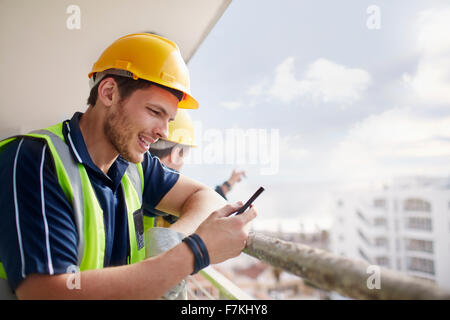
{"x":250,"y":201}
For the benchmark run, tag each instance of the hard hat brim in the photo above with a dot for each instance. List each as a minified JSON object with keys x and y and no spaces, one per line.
{"x":188,"y":103}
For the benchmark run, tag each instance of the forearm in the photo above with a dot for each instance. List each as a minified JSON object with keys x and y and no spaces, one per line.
{"x":223,"y":189}
{"x":196,"y":209}
{"x":148,"y":279}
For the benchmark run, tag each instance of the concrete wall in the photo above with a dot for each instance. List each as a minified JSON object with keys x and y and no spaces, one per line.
{"x":44,"y":64}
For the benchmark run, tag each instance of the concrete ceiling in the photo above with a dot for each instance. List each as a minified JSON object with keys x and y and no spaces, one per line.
{"x":44,"y":63}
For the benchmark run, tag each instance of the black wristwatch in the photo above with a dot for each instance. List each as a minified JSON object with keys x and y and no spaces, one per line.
{"x":227,"y":184}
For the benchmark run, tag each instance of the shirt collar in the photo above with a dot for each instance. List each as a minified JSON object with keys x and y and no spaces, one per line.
{"x":75,"y":141}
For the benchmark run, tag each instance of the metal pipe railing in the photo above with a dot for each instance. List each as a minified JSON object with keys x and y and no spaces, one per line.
{"x":227,"y":289}
{"x":349,"y":277}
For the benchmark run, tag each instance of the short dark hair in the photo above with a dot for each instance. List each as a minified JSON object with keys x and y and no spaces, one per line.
{"x":127,"y":86}
{"x":162,"y":153}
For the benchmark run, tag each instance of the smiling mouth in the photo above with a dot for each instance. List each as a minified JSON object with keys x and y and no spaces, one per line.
{"x":145,"y":142}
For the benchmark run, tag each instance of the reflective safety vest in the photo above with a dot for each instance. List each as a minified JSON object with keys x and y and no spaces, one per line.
{"x":88,"y":214}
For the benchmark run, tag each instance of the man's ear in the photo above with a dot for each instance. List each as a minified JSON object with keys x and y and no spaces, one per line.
{"x":176,"y":155}
{"x":170,"y":159}
{"x":107,"y":90}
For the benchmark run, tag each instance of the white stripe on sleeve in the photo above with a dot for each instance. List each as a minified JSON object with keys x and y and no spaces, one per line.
{"x":44,"y":217}
{"x":16,"y":207}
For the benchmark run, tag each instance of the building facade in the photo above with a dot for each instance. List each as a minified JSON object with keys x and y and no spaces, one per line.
{"x":403,"y":226}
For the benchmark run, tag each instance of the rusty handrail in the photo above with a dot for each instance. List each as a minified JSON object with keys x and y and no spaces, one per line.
{"x":348,"y":277}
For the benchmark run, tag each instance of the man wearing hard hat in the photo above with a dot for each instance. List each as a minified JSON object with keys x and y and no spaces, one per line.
{"x":75,"y":194}
{"x":174,"y":149}
{"x":181,"y":138}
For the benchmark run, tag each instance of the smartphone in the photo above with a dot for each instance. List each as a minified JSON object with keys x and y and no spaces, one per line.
{"x":250,"y":201}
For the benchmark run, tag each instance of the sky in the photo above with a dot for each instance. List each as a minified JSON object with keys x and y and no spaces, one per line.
{"x":309,"y":95}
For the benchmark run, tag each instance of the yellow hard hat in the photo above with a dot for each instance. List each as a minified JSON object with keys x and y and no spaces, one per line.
{"x":181,"y":129}
{"x":149,"y":57}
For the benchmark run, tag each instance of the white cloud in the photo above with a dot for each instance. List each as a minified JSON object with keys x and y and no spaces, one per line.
{"x":257,"y":92}
{"x":331,"y":82}
{"x":291,"y":147}
{"x":232,"y":105}
{"x":431,"y":81}
{"x":258,"y":88}
{"x":324,"y":81}
{"x":392,"y":143}
{"x":285,"y":86}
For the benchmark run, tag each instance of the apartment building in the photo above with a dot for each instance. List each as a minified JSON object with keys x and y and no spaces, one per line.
{"x":403,"y":225}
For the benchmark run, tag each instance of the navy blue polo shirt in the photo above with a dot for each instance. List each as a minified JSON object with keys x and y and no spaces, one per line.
{"x":37,"y":230}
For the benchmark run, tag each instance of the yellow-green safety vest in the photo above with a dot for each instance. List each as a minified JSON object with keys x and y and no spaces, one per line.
{"x":88,"y":214}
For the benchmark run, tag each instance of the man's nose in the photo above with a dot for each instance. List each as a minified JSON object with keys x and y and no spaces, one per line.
{"x":162,"y":131}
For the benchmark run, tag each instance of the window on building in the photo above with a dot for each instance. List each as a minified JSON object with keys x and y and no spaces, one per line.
{"x":416,"y":204}
{"x":419,"y":245}
{"x":420,"y":264}
{"x":399,"y":264}
{"x":379,"y":203}
{"x":418,"y":223}
{"x":381,"y":242}
{"x":382,"y":261}
{"x":380,"y":221}
{"x":397,"y":245}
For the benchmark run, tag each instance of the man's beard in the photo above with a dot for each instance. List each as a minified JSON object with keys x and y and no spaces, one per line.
{"x":118,"y":130}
